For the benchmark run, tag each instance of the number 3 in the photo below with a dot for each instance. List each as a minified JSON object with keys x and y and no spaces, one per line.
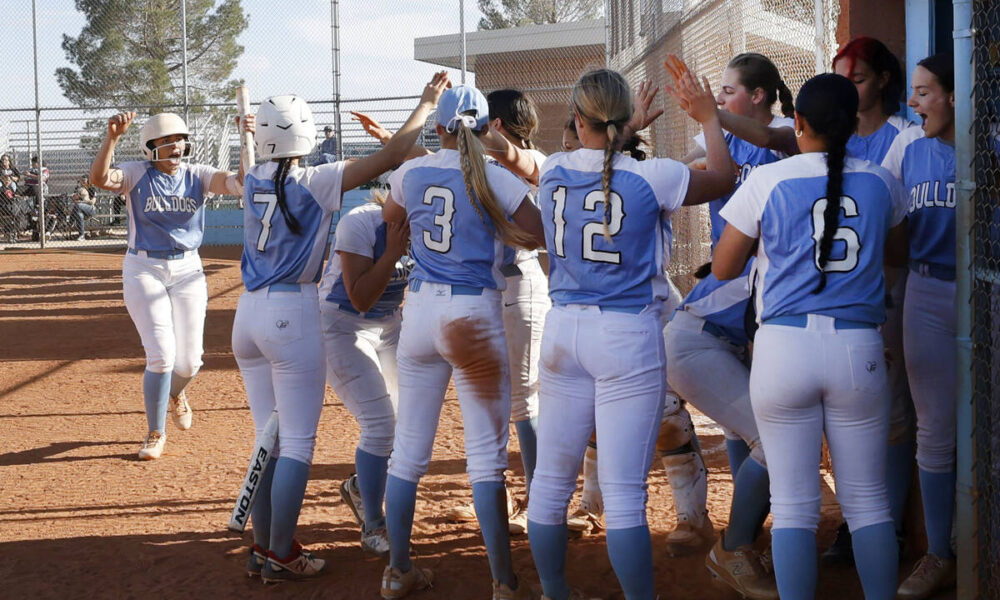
{"x":442,"y":220}
{"x":845,"y":234}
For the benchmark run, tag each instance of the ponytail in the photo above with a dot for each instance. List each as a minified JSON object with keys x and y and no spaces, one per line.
{"x":606,"y":170}
{"x":477,"y":187}
{"x":757,"y":71}
{"x":785,"y":97}
{"x":835,"y":153}
{"x":280,"y":174}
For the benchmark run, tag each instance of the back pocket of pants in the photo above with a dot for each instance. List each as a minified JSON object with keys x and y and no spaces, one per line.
{"x":868,"y":369}
{"x":283,"y":325}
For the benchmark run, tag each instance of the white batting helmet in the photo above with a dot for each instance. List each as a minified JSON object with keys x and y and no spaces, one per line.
{"x":285,"y":128}
{"x":159,"y":126}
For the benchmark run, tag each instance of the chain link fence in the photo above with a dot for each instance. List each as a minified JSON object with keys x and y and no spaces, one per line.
{"x":985,"y":299}
{"x":797,"y":35}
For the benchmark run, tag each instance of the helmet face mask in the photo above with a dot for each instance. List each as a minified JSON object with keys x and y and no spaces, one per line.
{"x":159,"y":148}
{"x":159,"y":132}
{"x":285,"y":128}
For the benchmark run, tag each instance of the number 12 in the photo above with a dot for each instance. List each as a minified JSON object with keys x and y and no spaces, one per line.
{"x":591,"y":229}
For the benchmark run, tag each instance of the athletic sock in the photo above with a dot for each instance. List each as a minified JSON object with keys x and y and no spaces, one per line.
{"x":400,"y":502}
{"x":899,"y":471}
{"x":591,"y":499}
{"x":288,"y":488}
{"x":178,"y":383}
{"x":155,"y":395}
{"x":877,"y":560}
{"x":260,"y":514}
{"x":528,"y":442}
{"x":548,"y":548}
{"x":631,"y":554}
{"x":490,"y":500}
{"x":750,"y":505}
{"x":794,"y":563}
{"x":938,"y":492}
{"x":738,"y":451}
{"x":371,"y":483}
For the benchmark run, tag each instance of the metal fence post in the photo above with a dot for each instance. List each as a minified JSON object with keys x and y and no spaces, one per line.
{"x":335,"y":51}
{"x":184,"y":57}
{"x":964,"y":187}
{"x":40,"y":188}
{"x":461,"y":27}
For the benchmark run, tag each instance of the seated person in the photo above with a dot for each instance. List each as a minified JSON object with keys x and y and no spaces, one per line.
{"x":83,"y":207}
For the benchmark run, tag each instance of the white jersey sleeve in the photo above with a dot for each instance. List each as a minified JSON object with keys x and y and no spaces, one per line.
{"x":132,"y":172}
{"x":355,"y":233}
{"x":324,"y":182}
{"x":893,"y":160}
{"x":205,"y":173}
{"x":669,"y":180}
{"x":746,"y":206}
{"x":396,"y":182}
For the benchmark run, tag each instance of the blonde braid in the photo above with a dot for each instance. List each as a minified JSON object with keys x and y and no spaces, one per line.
{"x":465,"y":154}
{"x":609,"y":157}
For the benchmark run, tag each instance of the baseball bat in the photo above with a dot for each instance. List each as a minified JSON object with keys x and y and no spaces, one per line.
{"x":247,"y":158}
{"x":259,"y":459}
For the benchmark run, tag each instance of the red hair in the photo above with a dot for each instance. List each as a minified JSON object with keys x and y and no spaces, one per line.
{"x":881,"y":60}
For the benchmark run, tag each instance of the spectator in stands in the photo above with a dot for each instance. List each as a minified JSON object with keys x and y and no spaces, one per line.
{"x":328,"y":147}
{"x":7,"y":168}
{"x":83,"y":207}
{"x":84,"y":182}
{"x":33,"y":175}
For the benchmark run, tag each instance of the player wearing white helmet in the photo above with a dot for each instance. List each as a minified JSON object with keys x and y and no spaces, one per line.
{"x":458,"y":206}
{"x":277,"y":339}
{"x":602,"y":363}
{"x":164,"y":284}
{"x":818,"y":364}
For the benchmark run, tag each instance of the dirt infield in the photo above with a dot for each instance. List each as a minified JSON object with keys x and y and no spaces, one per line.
{"x":81,"y":517}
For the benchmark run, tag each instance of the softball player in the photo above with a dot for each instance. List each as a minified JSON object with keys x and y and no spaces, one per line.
{"x":876,"y":74}
{"x":276,"y":333}
{"x":924,"y":160}
{"x":602,"y":363}
{"x":363,"y":286}
{"x":164,"y":284}
{"x":458,"y":207}
{"x":818,"y":356}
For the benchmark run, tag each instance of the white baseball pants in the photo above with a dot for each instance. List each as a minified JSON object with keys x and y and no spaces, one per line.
{"x":603,"y":371}
{"x":525,"y":304}
{"x":902,"y":418}
{"x":167,"y":300}
{"x":361,"y":369}
{"x":444,"y":335}
{"x":814,"y":380}
{"x":279,"y":349}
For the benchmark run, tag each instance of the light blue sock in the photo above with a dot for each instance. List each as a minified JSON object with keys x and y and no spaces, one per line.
{"x":794,"y":563}
{"x":938,"y":491}
{"x":631,"y":553}
{"x":371,"y":482}
{"x":400,"y":502}
{"x":287,"y":490}
{"x":178,"y":383}
{"x":155,"y":395}
{"x":490,"y":500}
{"x":529,"y":448}
{"x":548,"y":548}
{"x":260,"y":514}
{"x":899,"y":471}
{"x":876,"y":556}
{"x":750,"y":505}
{"x":738,"y":451}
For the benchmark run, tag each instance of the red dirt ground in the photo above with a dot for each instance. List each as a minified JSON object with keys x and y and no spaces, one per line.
{"x":81,"y":517}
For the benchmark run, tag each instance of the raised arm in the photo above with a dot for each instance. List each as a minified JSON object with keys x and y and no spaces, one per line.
{"x":365,"y":279}
{"x":396,"y":149}
{"x":780,"y":139}
{"x":383,"y":135}
{"x":521,"y":162}
{"x":101,"y":173}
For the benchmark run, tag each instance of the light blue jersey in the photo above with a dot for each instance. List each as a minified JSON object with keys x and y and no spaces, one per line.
{"x":512,"y":256}
{"x":782,"y":205}
{"x":584,"y":267}
{"x":448,"y":239}
{"x":747,"y":157}
{"x":272,"y":253}
{"x":723,"y":304}
{"x":362,"y":232}
{"x":165,"y":212}
{"x":926,"y":166}
{"x":874,"y":146}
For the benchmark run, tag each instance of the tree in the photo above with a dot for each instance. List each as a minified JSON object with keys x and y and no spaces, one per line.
{"x":501,"y":14}
{"x":129,"y":52}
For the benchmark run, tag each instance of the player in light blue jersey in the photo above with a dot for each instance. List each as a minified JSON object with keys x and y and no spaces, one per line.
{"x":363,"y":286}
{"x":461,"y":210}
{"x":818,"y":356}
{"x":924,"y":160}
{"x":164,"y":283}
{"x":877,"y":75}
{"x":277,"y":339}
{"x":602,"y":363}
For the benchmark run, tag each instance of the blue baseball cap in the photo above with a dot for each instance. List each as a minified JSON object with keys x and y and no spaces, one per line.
{"x":461,"y":99}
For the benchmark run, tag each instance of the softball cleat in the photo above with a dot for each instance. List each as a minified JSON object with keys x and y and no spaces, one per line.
{"x":152,"y":448}
{"x":397,"y":584}
{"x":350,"y":493}
{"x":931,"y":574}
{"x":258,"y":556}
{"x":686,"y":538}
{"x":742,"y":570}
{"x":180,"y":411}
{"x":585,"y":522}
{"x":375,"y":542}
{"x":296,"y":567}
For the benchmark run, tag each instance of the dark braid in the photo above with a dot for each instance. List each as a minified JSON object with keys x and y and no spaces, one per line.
{"x":280,"y":174}
{"x":785,"y":96}
{"x":829,"y":104}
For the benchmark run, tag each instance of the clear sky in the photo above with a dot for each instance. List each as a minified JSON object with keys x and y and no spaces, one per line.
{"x":287,"y":47}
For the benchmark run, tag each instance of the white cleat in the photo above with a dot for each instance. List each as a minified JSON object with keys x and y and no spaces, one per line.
{"x":180,"y":411}
{"x":152,"y":448}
